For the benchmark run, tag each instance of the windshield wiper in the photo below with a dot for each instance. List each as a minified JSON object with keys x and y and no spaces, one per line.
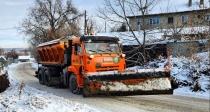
{"x":109,"y":50}
{"x":92,"y":50}
{"x":101,"y":50}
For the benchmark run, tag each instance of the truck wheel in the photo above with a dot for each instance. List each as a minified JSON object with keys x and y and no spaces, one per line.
{"x":47,"y":78}
{"x":73,"y":85}
{"x":41,"y":78}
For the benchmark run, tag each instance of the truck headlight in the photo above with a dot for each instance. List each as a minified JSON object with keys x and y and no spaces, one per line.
{"x":91,"y":56}
{"x":123,"y":55}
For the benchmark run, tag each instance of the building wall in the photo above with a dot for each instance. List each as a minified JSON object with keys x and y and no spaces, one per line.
{"x":195,"y":18}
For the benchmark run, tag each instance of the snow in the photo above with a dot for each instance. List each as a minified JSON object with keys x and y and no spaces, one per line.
{"x":183,"y":71}
{"x":165,"y":6}
{"x":170,"y":6}
{"x":2,"y":72}
{"x":127,"y":38}
{"x":35,"y":65}
{"x":128,"y":71}
{"x":153,"y":84}
{"x":186,"y":91}
{"x":32,"y":60}
{"x":23,"y":57}
{"x":187,"y":72}
{"x":2,"y":57}
{"x":22,"y":98}
{"x":191,"y":71}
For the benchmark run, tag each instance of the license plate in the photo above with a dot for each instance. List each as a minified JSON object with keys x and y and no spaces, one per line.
{"x":108,"y":59}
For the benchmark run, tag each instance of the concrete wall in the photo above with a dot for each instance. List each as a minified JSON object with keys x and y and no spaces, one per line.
{"x":184,"y":48}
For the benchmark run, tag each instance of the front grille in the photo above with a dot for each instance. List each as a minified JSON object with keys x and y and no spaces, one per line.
{"x":106,"y":68}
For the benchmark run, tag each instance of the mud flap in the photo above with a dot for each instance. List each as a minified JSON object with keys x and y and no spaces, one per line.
{"x":123,"y":85}
{"x":55,"y":81}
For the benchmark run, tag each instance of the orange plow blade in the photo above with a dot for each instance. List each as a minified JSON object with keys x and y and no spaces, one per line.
{"x":139,"y":83}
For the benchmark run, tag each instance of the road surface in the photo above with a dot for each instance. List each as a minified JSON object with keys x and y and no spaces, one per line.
{"x":158,"y":103}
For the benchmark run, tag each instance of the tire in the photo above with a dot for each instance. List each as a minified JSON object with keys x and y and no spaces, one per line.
{"x":41,"y":78}
{"x":73,"y":85}
{"x":47,"y":78}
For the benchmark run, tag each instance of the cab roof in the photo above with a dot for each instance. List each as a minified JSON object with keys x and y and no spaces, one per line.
{"x":91,"y":37}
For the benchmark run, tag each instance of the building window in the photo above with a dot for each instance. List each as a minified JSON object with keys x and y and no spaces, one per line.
{"x":154,"y":21}
{"x":170,"y":20}
{"x":139,"y":22}
{"x":184,"y":18}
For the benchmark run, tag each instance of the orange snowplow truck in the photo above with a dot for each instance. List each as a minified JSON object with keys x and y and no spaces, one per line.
{"x":95,"y":65}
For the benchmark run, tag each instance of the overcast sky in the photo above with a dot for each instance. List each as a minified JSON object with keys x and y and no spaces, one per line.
{"x":13,"y":11}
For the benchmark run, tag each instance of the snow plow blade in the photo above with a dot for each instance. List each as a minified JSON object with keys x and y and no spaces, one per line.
{"x":135,"y":82}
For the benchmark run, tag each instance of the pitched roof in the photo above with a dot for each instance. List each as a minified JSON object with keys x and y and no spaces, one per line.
{"x":165,"y":6}
{"x":23,"y":57}
{"x":2,"y":57}
{"x":173,"y":6}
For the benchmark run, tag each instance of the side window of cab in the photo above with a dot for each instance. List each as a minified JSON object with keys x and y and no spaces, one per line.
{"x":77,"y":49}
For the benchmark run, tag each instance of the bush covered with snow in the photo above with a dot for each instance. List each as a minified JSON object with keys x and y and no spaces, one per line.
{"x":193,"y":72}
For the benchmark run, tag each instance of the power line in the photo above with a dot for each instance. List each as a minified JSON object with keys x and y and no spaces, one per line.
{"x":6,"y":28}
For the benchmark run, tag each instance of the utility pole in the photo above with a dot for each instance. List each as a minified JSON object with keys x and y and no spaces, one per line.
{"x":85,"y":26}
{"x":105,"y":26}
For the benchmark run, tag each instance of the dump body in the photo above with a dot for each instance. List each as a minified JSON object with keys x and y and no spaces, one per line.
{"x":52,"y":53}
{"x":96,"y":65}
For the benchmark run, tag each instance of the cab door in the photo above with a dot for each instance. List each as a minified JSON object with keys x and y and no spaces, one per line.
{"x":76,"y":57}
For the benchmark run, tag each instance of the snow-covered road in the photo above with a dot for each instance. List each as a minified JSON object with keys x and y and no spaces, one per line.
{"x":164,"y":103}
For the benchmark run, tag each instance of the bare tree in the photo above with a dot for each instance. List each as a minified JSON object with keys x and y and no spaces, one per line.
{"x":48,"y":20}
{"x":119,"y":28}
{"x":1,"y":51}
{"x":92,"y":24}
{"x":118,"y":10}
{"x":12,"y":54}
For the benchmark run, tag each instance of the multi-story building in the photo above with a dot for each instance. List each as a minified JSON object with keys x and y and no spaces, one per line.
{"x":187,"y":13}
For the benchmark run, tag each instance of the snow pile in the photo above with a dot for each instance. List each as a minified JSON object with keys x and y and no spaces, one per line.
{"x":191,"y":75}
{"x":192,"y":72}
{"x":3,"y":72}
{"x":22,"y":98}
{"x":35,"y":65}
{"x":153,"y":84}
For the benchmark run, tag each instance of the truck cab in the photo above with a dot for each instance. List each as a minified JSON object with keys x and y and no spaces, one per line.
{"x":91,"y":54}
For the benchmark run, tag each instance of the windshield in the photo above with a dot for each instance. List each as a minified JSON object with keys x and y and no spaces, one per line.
{"x":102,"y":47}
